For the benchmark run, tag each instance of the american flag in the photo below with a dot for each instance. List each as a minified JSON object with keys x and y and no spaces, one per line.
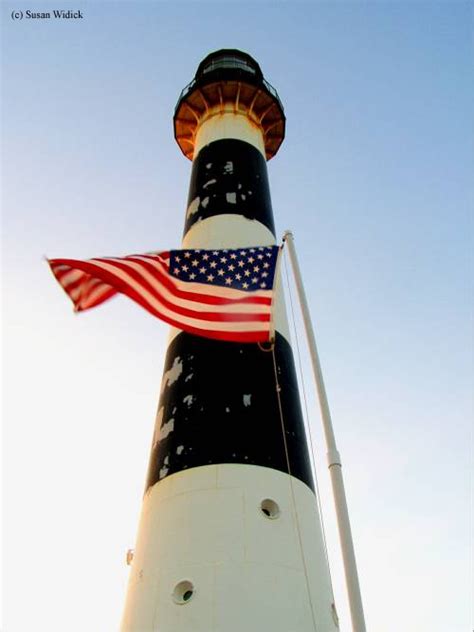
{"x":223,"y":294}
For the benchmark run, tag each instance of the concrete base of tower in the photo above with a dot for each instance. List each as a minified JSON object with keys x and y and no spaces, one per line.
{"x":228,"y":548}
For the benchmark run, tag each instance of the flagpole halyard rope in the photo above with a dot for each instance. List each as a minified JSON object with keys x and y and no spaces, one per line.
{"x":300,"y":540}
{"x":303,"y":388}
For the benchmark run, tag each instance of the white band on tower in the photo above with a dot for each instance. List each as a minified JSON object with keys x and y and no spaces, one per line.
{"x":219,"y":125}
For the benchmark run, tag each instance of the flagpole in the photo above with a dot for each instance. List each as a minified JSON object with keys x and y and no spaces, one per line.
{"x":333,"y":456}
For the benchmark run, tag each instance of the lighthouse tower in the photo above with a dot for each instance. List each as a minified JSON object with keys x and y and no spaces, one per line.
{"x":230,"y":536}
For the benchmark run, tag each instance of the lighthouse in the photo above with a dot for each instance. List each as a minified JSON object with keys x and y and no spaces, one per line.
{"x":230,"y":536}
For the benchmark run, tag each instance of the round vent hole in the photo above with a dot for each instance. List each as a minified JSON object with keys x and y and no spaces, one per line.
{"x":183,"y":592}
{"x":269,"y":508}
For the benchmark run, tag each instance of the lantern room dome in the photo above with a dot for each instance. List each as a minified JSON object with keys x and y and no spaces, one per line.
{"x":229,"y":60}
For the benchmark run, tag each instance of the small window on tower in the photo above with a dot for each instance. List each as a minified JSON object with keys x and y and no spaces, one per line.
{"x":183,"y":592}
{"x":270,"y":508}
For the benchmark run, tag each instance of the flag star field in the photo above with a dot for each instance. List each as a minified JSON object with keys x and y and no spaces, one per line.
{"x":246,"y":269}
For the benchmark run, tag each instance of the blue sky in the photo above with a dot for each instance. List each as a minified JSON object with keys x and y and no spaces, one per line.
{"x":374,"y":179}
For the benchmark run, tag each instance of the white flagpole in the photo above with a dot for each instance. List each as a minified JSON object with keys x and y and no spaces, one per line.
{"x":333,"y":456}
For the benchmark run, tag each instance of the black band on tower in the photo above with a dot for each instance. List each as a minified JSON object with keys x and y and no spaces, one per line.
{"x":229,"y":176}
{"x":219,"y":404}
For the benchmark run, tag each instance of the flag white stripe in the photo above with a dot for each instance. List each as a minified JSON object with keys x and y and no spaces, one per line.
{"x":70,"y":277}
{"x":95,"y":294}
{"x":75,"y":293}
